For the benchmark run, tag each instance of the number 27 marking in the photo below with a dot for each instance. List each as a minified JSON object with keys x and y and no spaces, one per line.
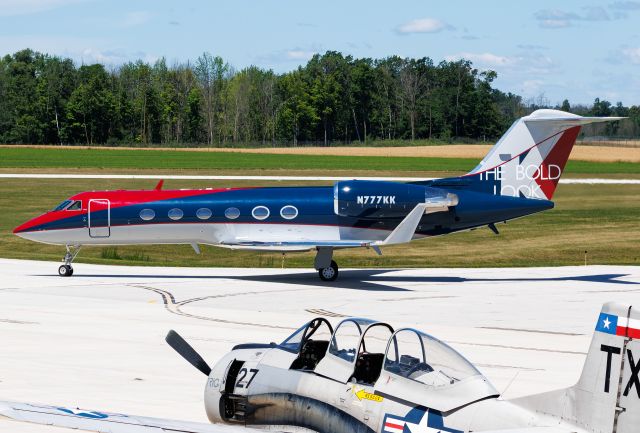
{"x":242,"y":374}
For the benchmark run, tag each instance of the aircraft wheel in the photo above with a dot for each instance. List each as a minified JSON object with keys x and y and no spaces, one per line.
{"x":65,"y":271}
{"x":330,"y":273}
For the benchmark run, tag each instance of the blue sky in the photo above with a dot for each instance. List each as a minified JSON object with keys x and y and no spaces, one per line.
{"x":574,"y":49}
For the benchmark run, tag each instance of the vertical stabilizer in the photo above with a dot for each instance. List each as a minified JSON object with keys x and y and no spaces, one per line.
{"x":530,"y":157}
{"x":606,"y":399}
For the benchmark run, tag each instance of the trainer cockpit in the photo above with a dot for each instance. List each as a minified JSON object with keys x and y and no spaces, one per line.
{"x":406,"y":362}
{"x":417,"y":356}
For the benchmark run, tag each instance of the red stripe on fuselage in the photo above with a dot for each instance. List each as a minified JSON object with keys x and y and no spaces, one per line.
{"x":118,"y":198}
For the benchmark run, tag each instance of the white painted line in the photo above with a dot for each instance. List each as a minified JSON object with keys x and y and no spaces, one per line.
{"x":593,"y":181}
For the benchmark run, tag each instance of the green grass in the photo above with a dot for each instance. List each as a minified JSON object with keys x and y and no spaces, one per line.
{"x":601,"y":219}
{"x":171,"y":159}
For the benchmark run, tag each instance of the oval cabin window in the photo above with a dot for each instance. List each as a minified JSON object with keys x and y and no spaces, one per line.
{"x":232,"y":213}
{"x":175,"y":214}
{"x":289,"y":212}
{"x":147,"y":214}
{"x":260,"y":212}
{"x":203,"y":213}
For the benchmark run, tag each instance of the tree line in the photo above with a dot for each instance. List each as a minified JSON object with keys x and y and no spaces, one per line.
{"x":334,"y":98}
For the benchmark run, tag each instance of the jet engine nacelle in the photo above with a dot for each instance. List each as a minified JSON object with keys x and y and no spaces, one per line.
{"x":375,"y":199}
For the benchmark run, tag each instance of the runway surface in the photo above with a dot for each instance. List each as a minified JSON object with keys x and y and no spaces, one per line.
{"x":96,"y":340}
{"x":587,"y":181}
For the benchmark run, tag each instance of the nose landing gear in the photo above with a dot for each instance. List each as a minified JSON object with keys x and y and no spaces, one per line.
{"x":66,"y":270}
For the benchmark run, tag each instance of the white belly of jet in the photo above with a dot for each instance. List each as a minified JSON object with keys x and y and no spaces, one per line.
{"x":212,"y":234}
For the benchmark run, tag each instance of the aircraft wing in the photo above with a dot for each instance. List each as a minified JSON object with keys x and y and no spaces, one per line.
{"x":105,"y":422}
{"x":293,"y":246}
{"x":401,"y":234}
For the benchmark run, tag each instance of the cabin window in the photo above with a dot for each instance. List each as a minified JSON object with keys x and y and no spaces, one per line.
{"x":289,"y":212}
{"x":204,"y":213}
{"x":175,"y":214}
{"x":260,"y":212}
{"x":62,"y":205}
{"x":232,"y":213}
{"x":76,"y":205}
{"x":147,"y":214}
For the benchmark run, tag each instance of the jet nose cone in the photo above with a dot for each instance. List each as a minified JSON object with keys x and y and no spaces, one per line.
{"x":20,"y":229}
{"x":23,"y":230}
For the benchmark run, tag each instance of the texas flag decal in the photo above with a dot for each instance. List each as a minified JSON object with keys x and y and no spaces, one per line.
{"x":617,"y":325}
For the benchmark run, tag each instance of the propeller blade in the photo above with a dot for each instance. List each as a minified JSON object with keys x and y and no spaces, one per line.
{"x":185,"y":350}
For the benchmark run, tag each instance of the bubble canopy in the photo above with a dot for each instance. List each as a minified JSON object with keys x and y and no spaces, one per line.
{"x":410,"y":353}
{"x":418,"y":356}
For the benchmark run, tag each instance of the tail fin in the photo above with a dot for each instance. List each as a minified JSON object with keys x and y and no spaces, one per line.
{"x":607,"y":396}
{"x":529,"y":158}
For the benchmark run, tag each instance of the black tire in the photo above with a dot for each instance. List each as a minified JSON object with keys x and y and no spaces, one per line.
{"x":65,"y":271}
{"x":330,"y":273}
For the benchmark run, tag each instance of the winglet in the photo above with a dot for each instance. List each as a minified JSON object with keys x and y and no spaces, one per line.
{"x":159,"y":185}
{"x":404,"y":231}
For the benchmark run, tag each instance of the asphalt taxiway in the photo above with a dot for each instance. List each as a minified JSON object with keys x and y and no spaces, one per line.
{"x":96,"y":340}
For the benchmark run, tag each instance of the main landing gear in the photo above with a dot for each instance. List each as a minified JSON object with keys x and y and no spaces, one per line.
{"x":327,"y":268}
{"x":329,"y":273}
{"x":66,"y":270}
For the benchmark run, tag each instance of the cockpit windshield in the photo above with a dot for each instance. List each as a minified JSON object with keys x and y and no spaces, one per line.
{"x":423,"y":358}
{"x":62,"y":205}
{"x":76,"y":205}
{"x":317,"y":329}
{"x":292,"y":342}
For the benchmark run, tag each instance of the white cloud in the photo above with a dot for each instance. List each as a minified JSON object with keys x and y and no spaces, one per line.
{"x":137,"y":18}
{"x":554,"y":18}
{"x":633,"y":54}
{"x":596,"y":13}
{"x":299,"y":54}
{"x":532,"y":87}
{"x":483,"y":59}
{"x":26,"y":7}
{"x":296,"y":55}
{"x":83,"y":50}
{"x":625,"y":5}
{"x":423,"y":25}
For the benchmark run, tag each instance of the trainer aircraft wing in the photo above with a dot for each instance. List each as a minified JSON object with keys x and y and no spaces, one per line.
{"x":529,"y":430}
{"x":85,"y":420}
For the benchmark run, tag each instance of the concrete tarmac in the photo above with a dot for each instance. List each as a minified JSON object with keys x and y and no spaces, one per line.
{"x":96,"y":340}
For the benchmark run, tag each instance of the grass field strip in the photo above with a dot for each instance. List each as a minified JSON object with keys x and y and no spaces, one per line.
{"x":591,"y":181}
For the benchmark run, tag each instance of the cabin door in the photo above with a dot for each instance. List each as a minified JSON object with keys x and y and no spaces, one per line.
{"x":99,"y":218}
